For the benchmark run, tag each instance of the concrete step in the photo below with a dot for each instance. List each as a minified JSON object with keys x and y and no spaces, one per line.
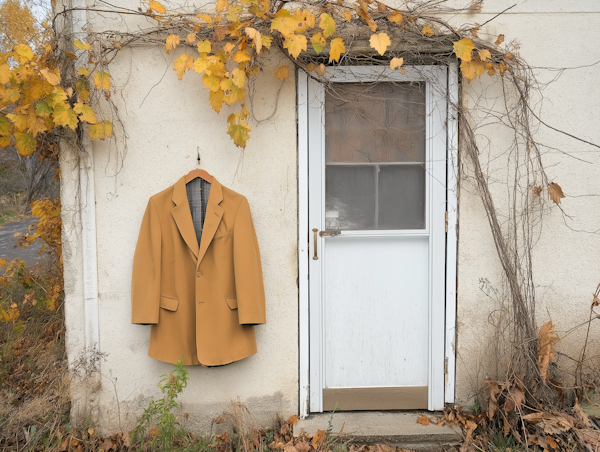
{"x":393,"y":428}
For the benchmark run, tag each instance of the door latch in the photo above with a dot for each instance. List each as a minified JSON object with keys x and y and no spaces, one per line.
{"x":330,"y":233}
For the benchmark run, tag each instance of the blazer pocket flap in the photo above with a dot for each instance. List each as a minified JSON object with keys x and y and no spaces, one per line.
{"x":170,"y":304}
{"x":231,"y":302}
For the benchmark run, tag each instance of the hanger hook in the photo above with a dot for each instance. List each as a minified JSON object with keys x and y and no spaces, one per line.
{"x":198,"y":149}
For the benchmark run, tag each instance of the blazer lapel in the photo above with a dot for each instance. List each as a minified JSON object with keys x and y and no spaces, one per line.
{"x":183,"y":216}
{"x":214,"y":213}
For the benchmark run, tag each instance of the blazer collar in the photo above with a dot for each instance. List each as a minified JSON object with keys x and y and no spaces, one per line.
{"x":183,"y":216}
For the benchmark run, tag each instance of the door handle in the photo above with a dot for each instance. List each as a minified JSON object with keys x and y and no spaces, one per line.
{"x":315,"y":256}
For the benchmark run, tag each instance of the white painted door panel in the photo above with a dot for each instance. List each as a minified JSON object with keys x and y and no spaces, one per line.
{"x":376,"y":311}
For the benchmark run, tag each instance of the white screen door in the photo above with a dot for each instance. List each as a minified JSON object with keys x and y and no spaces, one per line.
{"x":377,"y":209}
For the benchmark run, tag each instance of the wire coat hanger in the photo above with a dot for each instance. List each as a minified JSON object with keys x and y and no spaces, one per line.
{"x":198,"y":172}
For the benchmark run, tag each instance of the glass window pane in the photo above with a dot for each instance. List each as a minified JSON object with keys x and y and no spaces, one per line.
{"x":350,"y":197}
{"x":381,"y":122}
{"x":401,"y":197}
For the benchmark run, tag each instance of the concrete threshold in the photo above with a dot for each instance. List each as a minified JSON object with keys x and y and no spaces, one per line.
{"x":393,"y":428}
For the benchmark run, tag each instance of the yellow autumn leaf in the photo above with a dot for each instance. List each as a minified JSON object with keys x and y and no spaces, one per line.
{"x":484,"y":54}
{"x":228,"y":48}
{"x":470,"y":69}
{"x":171,"y":42}
{"x":65,"y":116}
{"x":24,"y":52}
{"x":216,"y":99}
{"x":241,"y":56}
{"x":464,"y":49}
{"x":240,"y":133}
{"x":222,"y":5}
{"x":83,"y":71}
{"x":41,"y":109}
{"x":265,"y":40}
{"x":5,"y":141}
{"x":100,"y":130}
{"x":347,"y":16}
{"x":364,"y":15}
{"x":191,"y":38}
{"x":52,"y":77}
{"x":80,"y":45}
{"x":212,"y":82}
{"x":337,"y":47}
{"x":19,"y":121}
{"x":4,"y":125}
{"x":380,"y":42}
{"x":102,"y":80}
{"x":311,"y":67}
{"x":295,"y":44}
{"x":183,"y":63}
{"x":327,"y":24}
{"x":85,"y":112}
{"x":205,"y":17}
{"x":396,"y":17}
{"x":396,"y":63}
{"x":238,"y":77}
{"x":5,"y":74}
{"x":285,"y":23}
{"x":25,"y":143}
{"x":427,"y":30}
{"x":255,"y":36}
{"x":204,"y":46}
{"x":282,"y":73}
{"x":235,"y":94}
{"x":157,"y":6}
{"x":318,"y":42}
{"x":83,"y":89}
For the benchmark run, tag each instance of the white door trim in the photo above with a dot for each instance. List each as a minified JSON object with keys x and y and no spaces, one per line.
{"x":441,"y":359}
{"x":452,"y":232}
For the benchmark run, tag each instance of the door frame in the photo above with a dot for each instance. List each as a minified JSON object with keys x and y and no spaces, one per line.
{"x":439,"y":393}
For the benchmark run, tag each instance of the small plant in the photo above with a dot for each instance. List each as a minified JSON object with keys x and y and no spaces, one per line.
{"x":168,"y":428}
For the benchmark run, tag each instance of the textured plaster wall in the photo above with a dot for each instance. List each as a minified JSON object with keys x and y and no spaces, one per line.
{"x":566,"y":267}
{"x":164,"y":121}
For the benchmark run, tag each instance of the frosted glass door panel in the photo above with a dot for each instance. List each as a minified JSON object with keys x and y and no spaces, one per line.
{"x":382,"y":122}
{"x":376,"y":311}
{"x":351,"y":199}
{"x":375,"y":156}
{"x":401,"y":197}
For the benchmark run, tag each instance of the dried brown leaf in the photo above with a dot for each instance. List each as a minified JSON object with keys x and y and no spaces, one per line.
{"x":547,"y":338}
{"x":493,"y":397}
{"x":581,"y":416}
{"x":424,"y":420}
{"x":318,"y":438}
{"x":555,"y":192}
{"x":500,"y":40}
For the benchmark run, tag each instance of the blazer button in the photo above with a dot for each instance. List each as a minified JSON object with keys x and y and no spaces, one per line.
{"x":198,"y":274}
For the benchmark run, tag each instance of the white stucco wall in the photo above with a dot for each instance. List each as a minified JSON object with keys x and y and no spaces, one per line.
{"x":165,"y":120}
{"x":566,"y":267}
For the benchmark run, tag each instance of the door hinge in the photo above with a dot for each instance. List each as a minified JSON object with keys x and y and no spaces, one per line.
{"x":446,"y":221}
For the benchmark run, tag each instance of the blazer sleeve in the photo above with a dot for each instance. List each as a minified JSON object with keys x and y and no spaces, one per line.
{"x":247,"y":268}
{"x":145,"y":281}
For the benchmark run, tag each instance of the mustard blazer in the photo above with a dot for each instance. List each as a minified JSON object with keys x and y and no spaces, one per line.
{"x":202,"y":303}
